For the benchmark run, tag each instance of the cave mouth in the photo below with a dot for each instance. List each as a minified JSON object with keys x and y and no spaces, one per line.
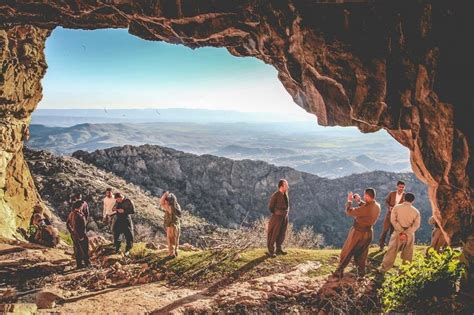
{"x":360,"y":64}
{"x":82,"y":70}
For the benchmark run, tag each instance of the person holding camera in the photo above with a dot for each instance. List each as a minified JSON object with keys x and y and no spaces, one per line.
{"x":361,"y":234}
{"x":406,"y":220}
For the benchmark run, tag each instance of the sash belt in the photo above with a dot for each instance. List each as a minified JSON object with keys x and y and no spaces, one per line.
{"x":362,"y":228}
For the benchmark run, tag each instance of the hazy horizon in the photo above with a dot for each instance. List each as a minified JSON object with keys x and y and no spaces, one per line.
{"x":112,"y":69}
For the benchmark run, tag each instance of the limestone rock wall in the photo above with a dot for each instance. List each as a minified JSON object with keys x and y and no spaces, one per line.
{"x":23,"y":65}
{"x":402,"y":66}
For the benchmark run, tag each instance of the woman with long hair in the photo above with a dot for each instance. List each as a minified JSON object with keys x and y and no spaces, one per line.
{"x":169,"y":203}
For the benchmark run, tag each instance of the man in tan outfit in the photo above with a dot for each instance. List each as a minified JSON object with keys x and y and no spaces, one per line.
{"x":279,"y":205}
{"x":361,"y":233}
{"x":394,"y":198}
{"x":406,"y":220}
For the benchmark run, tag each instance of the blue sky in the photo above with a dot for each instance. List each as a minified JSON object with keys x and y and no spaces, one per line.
{"x":113,"y":69}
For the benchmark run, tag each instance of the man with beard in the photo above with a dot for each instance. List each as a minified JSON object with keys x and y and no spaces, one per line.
{"x":124,"y":207}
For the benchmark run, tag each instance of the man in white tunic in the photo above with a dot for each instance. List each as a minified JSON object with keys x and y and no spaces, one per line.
{"x":108,"y":208}
{"x":405,"y":220}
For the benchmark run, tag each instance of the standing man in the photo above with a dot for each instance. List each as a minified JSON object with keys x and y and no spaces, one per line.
{"x":76,"y":224}
{"x":85,"y":206}
{"x":361,"y":234}
{"x":406,"y":220}
{"x":279,"y":206}
{"x":394,"y":198}
{"x":123,"y":222}
{"x":108,"y":207}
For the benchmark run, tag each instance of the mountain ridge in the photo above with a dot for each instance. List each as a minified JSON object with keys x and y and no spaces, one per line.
{"x":329,"y":154}
{"x":226,"y":191}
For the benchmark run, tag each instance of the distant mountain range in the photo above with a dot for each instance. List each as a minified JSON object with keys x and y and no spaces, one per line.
{"x":70,"y":117}
{"x":58,"y":178}
{"x":304,"y":146}
{"x":228,"y":192}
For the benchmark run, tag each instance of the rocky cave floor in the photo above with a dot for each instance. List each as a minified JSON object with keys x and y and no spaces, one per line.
{"x":43,"y":280}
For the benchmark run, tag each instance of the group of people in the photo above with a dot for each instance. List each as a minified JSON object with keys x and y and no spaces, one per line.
{"x":400,"y":223}
{"x":117,"y":211}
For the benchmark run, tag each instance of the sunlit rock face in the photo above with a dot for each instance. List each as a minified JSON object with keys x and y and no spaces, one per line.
{"x":23,"y":65}
{"x":406,"y":68}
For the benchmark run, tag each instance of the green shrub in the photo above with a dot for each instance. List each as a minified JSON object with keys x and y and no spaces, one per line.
{"x":66,"y":237}
{"x":424,"y":282}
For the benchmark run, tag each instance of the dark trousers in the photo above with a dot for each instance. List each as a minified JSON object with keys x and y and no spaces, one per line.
{"x":277,"y":227}
{"x":356,"y":246}
{"x":81,"y":251}
{"x":126,"y":229}
{"x":387,"y":228}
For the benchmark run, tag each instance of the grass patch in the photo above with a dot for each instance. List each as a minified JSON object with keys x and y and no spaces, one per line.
{"x":204,"y":267}
{"x":66,"y":238}
{"x":140,"y":251}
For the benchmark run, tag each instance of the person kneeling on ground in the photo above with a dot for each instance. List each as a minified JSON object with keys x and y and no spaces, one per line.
{"x":76,"y":224}
{"x":41,"y":231}
{"x":172,"y":209}
{"x":123,"y":224}
{"x":361,"y":234}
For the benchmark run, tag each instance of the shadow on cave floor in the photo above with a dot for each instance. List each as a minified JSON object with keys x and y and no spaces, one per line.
{"x":214,"y":288}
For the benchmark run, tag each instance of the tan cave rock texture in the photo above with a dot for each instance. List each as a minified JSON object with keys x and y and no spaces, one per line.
{"x":405,"y":66}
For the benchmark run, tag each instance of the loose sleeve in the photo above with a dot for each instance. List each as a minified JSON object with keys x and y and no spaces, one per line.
{"x":387,"y":201}
{"x":85,"y":210}
{"x":104,"y":210}
{"x":272,"y":203}
{"x":394,"y":220}
{"x":80,"y":227}
{"x":130,"y":208}
{"x":355,"y":212}
{"x":415,"y":226}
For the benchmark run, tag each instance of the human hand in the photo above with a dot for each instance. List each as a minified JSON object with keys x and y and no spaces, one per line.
{"x":120,"y":210}
{"x":403,"y":237}
{"x":349,"y":196}
{"x":356,"y":197}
